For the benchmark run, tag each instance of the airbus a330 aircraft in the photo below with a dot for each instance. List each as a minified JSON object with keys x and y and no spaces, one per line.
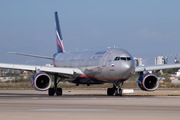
{"x":90,"y":67}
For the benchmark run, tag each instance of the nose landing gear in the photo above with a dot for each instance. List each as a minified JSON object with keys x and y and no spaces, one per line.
{"x":115,"y":90}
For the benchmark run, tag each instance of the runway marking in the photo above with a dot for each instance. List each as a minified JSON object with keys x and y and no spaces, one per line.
{"x":72,"y":109}
{"x":176,"y":92}
{"x":90,"y":118}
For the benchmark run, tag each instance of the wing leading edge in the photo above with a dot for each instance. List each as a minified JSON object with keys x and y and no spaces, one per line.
{"x":156,"y":67}
{"x":63,"y":71}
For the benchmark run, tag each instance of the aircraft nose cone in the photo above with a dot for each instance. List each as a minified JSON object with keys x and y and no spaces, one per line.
{"x":128,"y":69}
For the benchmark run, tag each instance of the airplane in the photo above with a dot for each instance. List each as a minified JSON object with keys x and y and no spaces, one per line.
{"x":112,"y":65}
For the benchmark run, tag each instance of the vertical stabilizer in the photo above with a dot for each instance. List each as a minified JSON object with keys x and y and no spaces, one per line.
{"x":60,"y":46}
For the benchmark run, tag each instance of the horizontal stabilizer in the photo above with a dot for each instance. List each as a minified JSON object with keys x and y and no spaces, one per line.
{"x":37,"y":56}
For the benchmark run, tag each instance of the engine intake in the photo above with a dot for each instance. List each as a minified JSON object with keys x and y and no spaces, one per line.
{"x":41,"y":81}
{"x":148,"y":82}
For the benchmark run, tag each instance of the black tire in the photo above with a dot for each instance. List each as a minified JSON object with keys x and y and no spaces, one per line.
{"x":110,"y":91}
{"x":59,"y":92}
{"x":51,"y":91}
{"x":118,"y":94}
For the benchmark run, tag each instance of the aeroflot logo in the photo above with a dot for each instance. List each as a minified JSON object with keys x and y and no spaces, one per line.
{"x":58,"y":35}
{"x":59,"y":41}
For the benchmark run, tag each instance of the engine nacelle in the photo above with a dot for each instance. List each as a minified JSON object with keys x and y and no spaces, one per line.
{"x":148,"y":82}
{"x":41,"y":81}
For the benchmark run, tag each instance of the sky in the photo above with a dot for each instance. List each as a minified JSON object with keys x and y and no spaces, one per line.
{"x":144,"y":28}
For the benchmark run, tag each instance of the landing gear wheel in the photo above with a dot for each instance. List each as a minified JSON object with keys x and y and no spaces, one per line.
{"x":118,"y":92}
{"x":51,"y":91}
{"x":59,"y":92}
{"x":110,"y":91}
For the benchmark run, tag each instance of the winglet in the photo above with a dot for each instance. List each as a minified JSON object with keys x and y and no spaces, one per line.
{"x":60,"y":46}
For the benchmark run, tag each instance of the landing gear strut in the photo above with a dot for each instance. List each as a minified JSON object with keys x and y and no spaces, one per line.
{"x":56,"y":90}
{"x":115,"y":90}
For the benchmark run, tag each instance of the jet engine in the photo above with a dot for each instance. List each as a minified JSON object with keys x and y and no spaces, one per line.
{"x":148,"y":82}
{"x":41,"y":81}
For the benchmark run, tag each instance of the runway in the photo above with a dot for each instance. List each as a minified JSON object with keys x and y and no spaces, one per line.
{"x":31,"y":104}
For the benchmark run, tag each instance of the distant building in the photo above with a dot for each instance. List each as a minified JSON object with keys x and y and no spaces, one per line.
{"x":138,"y":61}
{"x":4,"y":79}
{"x":50,"y":65}
{"x":161,"y":60}
{"x":178,"y":73}
{"x":24,"y":75}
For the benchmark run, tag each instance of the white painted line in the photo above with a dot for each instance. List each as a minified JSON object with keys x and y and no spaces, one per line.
{"x":72,"y":110}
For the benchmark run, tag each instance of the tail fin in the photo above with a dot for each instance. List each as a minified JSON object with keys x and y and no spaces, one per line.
{"x":60,"y":46}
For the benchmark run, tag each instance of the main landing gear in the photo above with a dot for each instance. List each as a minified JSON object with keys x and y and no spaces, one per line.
{"x":115,"y":90}
{"x":56,"y":90}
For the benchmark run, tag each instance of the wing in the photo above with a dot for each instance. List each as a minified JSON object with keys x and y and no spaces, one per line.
{"x":156,"y":67}
{"x":71,"y":72}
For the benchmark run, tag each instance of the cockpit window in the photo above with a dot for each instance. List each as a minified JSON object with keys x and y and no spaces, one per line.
{"x":117,"y":58}
{"x":122,"y":58}
{"x":128,"y":58}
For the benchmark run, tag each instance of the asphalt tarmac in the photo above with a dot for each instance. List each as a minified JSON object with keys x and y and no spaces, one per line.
{"x":86,"y":104}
